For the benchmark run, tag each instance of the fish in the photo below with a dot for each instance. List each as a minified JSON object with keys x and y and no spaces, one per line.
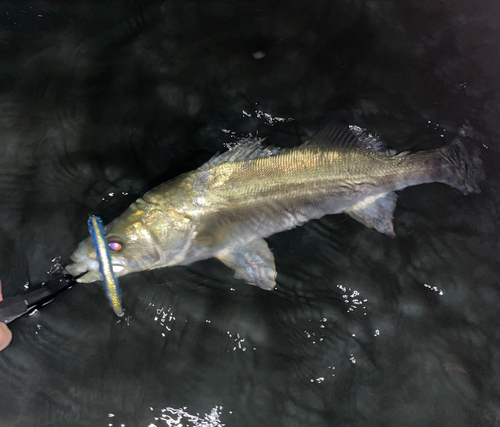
{"x":103,"y":258}
{"x":228,"y":206}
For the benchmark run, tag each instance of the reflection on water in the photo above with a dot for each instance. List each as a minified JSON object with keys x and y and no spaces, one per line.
{"x":181,"y":418}
{"x":352,"y":299}
{"x":165,"y":318}
{"x":172,"y":417}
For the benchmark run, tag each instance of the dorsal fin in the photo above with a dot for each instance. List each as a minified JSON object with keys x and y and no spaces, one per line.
{"x":245,"y":149}
{"x":351,"y":136}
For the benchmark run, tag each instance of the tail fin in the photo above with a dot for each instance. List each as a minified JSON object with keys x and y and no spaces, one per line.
{"x":464,"y":167}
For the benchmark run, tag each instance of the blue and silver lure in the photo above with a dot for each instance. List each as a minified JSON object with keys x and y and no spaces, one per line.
{"x":109,"y":282}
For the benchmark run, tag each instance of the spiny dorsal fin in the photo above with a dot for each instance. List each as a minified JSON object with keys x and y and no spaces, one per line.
{"x":245,"y":149}
{"x":351,"y":136}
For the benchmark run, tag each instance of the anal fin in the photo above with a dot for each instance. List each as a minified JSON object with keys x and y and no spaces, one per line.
{"x":252,"y":262}
{"x":376,"y":212}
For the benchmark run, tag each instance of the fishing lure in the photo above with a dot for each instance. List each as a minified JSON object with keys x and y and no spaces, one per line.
{"x":109,"y":282}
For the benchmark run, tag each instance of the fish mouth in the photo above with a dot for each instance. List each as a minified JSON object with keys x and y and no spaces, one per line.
{"x":81,"y":264}
{"x":85,"y":271}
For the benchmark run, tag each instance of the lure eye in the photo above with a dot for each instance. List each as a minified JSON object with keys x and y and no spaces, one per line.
{"x":115,"y":246}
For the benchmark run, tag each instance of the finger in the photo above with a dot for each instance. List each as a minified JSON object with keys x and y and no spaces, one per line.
{"x":5,"y":336}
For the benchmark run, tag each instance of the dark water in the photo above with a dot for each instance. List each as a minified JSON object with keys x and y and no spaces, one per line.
{"x":99,"y":102}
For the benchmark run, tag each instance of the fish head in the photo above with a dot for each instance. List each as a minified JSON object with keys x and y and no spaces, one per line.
{"x":132,"y":247}
{"x":142,"y":238}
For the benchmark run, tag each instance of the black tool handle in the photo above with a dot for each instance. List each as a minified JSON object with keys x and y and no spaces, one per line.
{"x":14,"y":307}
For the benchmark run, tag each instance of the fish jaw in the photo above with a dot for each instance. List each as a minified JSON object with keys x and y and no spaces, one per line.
{"x":88,"y":266}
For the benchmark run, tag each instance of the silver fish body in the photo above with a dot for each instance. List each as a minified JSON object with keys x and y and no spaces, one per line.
{"x":228,"y":206}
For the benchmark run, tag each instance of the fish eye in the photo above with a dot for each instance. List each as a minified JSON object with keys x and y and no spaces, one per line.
{"x":115,"y":244}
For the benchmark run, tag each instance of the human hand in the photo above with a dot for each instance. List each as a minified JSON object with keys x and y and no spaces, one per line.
{"x":5,"y":333}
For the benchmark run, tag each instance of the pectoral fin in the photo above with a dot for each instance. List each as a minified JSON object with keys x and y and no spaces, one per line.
{"x":253,"y":263}
{"x":376,"y":212}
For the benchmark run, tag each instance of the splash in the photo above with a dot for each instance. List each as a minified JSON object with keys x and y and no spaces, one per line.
{"x":353,"y":299}
{"x":180,"y":418}
{"x":166,"y":319}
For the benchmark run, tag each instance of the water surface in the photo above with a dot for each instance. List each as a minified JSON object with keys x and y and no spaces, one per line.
{"x":101,"y":102}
